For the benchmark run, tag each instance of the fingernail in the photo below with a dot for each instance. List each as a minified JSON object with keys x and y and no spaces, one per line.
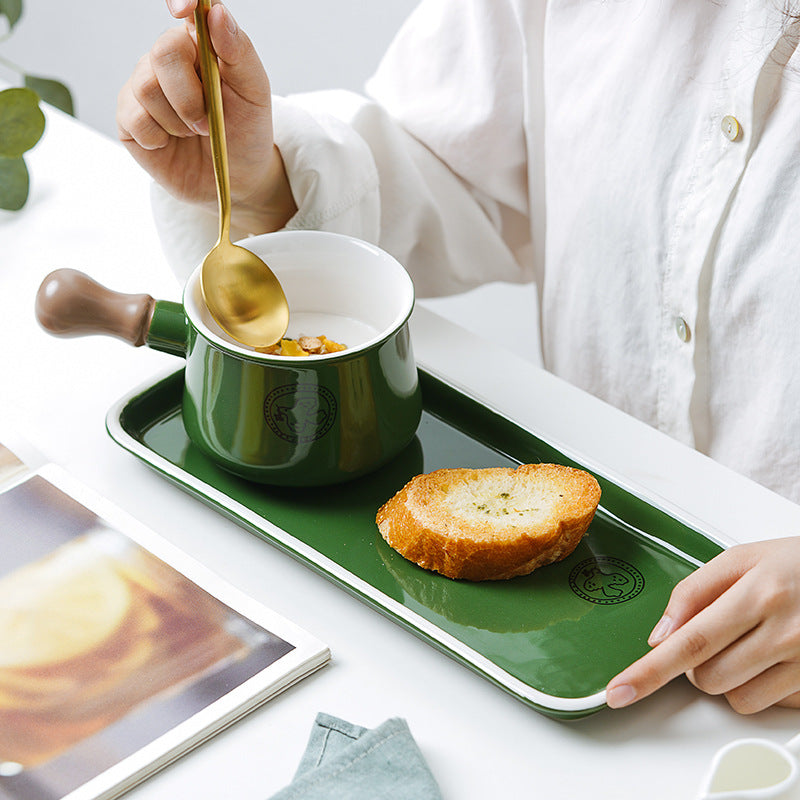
{"x":662,"y":629}
{"x":620,"y":696}
{"x":177,"y":6}
{"x":230,"y":22}
{"x":200,"y":127}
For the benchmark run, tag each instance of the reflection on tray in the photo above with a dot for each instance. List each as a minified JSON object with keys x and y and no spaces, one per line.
{"x":444,"y":597}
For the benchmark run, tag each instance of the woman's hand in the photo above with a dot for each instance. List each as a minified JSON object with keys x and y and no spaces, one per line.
{"x":733,"y":627}
{"x":161,"y":120}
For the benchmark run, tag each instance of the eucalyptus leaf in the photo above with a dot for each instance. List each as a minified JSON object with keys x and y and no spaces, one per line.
{"x":21,"y":121}
{"x":14,"y":183}
{"x":51,"y":91}
{"x":11,"y":10}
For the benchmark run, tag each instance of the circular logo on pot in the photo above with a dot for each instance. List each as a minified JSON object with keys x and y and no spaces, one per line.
{"x":300,"y":413}
{"x":606,"y":580}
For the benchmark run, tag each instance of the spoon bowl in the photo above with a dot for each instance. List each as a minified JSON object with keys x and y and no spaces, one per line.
{"x":243,"y":295}
{"x":241,"y":291}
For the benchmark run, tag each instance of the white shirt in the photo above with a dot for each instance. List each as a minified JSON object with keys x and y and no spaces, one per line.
{"x":639,"y":160}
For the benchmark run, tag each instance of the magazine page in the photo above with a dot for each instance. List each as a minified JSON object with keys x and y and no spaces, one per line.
{"x":10,"y":465}
{"x":117,"y":651}
{"x":17,"y":457}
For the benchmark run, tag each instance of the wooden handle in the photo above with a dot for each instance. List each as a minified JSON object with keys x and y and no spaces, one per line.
{"x":70,"y":303}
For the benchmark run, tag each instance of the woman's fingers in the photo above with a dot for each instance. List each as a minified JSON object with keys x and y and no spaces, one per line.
{"x":791,"y":701}
{"x":181,"y":9}
{"x":733,"y":627}
{"x":135,"y":126}
{"x":161,"y":115}
{"x":172,"y":90}
{"x":706,"y":634}
{"x":754,"y":660}
{"x":240,"y":67}
{"x":699,"y":590}
{"x":163,"y":97}
{"x":239,"y":64}
{"x":778,"y":685}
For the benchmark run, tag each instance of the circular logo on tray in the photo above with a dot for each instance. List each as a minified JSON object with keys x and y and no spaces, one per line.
{"x":606,"y":580}
{"x":300,"y":413}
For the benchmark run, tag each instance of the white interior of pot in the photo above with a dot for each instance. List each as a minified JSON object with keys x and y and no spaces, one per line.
{"x":336,"y":286}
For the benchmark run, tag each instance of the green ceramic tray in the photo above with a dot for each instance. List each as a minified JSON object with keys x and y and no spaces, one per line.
{"x":553,"y":638}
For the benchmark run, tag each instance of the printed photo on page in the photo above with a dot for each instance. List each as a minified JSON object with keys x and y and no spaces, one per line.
{"x":103,"y":646}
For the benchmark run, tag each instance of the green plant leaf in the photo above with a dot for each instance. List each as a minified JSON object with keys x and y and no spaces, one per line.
{"x":11,"y":10}
{"x":21,"y":121}
{"x":14,"y":183}
{"x":51,"y":91}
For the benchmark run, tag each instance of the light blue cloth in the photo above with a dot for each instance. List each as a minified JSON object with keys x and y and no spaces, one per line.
{"x":343,"y":761}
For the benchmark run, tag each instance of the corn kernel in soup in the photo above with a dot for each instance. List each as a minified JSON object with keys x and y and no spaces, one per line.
{"x":303,"y":346}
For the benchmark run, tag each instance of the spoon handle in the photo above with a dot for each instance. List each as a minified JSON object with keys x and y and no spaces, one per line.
{"x":70,"y":303}
{"x":212,"y":88}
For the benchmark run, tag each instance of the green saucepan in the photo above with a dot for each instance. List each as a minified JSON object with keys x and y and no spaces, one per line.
{"x":284,"y":420}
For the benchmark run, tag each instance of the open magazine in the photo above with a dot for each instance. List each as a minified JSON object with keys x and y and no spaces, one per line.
{"x":118,"y":653}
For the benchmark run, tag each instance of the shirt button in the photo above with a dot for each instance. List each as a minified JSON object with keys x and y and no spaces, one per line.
{"x":731,"y":128}
{"x":682,"y":329}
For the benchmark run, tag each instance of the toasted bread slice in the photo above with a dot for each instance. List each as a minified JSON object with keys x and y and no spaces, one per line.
{"x":493,"y":523}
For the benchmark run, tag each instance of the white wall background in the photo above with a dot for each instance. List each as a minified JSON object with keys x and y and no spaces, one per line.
{"x":93,"y":45}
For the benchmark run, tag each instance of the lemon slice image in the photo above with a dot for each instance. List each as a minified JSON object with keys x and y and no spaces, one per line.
{"x":60,"y":607}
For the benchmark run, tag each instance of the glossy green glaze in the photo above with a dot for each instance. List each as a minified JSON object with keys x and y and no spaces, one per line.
{"x":169,"y":328}
{"x":293,"y":422}
{"x":564,"y":631}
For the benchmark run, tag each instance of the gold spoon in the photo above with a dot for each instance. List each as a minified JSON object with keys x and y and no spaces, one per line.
{"x":240,"y":290}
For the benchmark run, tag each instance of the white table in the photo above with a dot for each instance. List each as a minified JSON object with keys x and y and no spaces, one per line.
{"x":89,"y":209}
